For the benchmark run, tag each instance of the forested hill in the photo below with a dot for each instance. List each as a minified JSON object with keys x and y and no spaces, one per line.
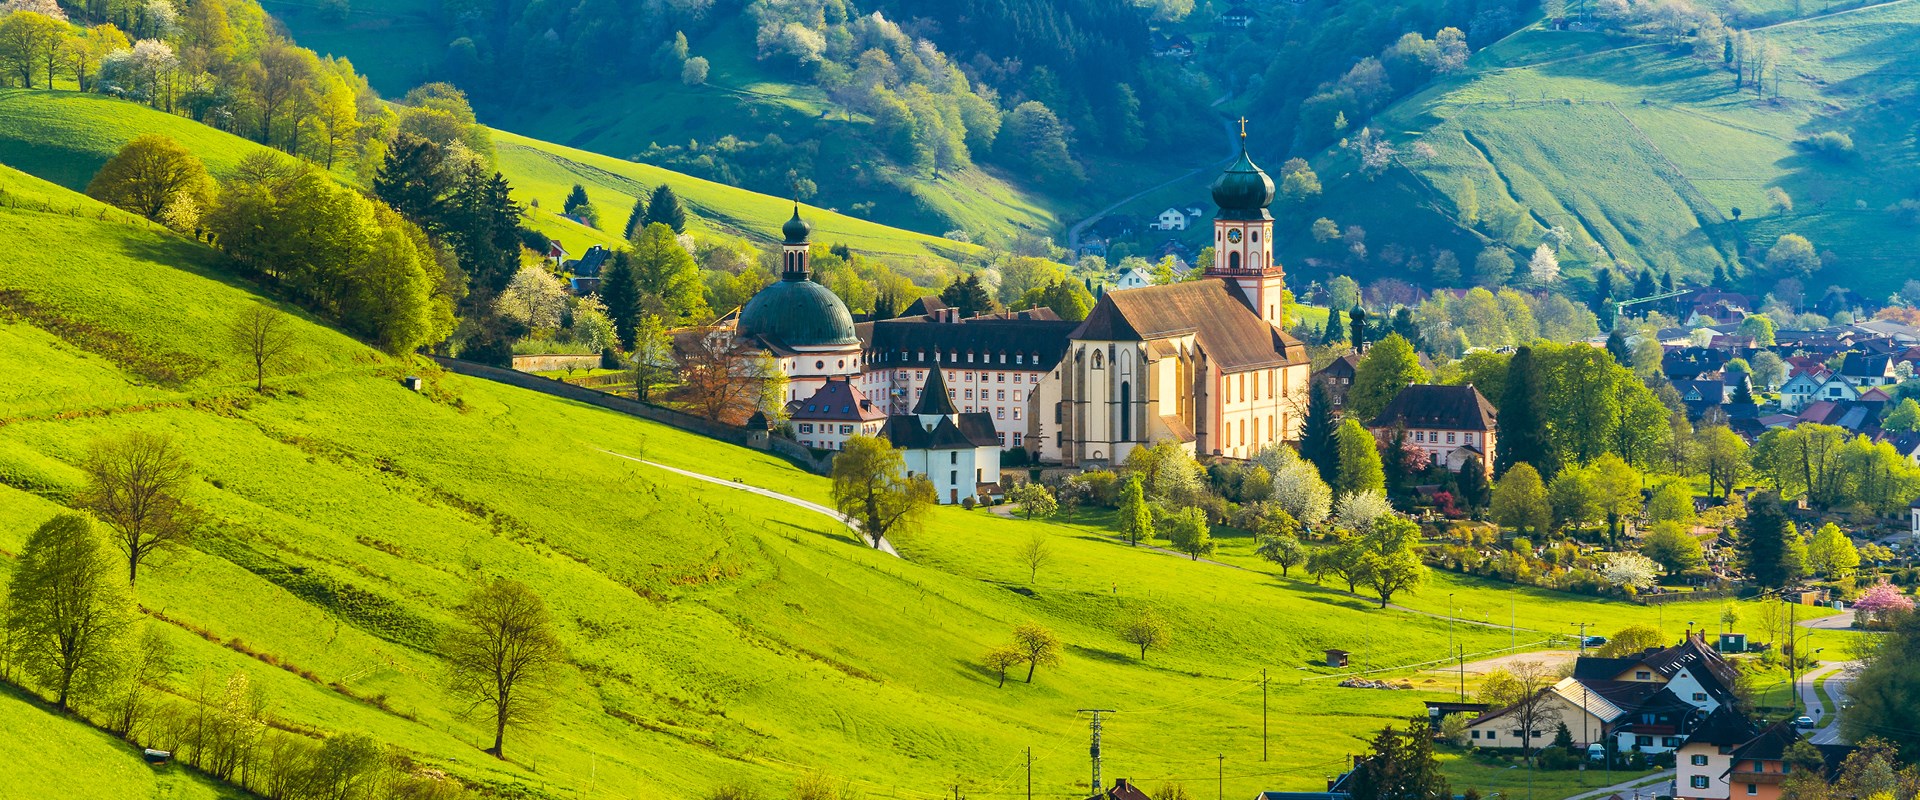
{"x":865,"y":108}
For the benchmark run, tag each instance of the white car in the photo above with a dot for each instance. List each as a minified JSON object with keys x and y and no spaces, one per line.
{"x":1803,"y":722}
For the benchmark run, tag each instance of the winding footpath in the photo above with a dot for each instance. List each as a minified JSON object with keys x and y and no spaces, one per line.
{"x":885,"y":546}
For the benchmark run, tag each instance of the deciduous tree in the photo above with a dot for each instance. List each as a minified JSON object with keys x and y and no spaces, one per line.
{"x":871,"y":486}
{"x":1520,"y":501}
{"x":1188,"y":532}
{"x":263,"y":337}
{"x":1035,"y":552}
{"x":151,"y":174}
{"x":1037,"y":645}
{"x":1144,"y":629}
{"x":1360,"y":468}
{"x":1135,"y":519}
{"x":135,"y":483}
{"x":503,"y":656}
{"x":1387,"y":368}
{"x":66,"y":615}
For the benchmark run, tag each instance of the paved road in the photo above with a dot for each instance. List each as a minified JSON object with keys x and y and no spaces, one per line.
{"x":1646,"y":787}
{"x":1838,"y":622}
{"x":885,"y":546}
{"x":1817,"y":706}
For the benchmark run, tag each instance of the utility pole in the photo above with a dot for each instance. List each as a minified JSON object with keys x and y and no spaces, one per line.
{"x":1094,"y":752}
{"x":1029,"y":773}
{"x":1583,"y":635}
{"x":1221,"y":776}
{"x":1263,"y":715}
{"x":1513,"y":625}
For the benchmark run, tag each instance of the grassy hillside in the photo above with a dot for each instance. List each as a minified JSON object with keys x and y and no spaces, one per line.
{"x":545,"y":172}
{"x":715,"y":635}
{"x":64,"y":137}
{"x":1645,"y":151}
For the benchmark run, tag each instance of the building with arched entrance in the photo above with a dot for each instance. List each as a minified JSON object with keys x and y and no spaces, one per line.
{"x":1202,"y":362}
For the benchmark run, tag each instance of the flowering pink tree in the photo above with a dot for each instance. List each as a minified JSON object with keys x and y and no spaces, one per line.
{"x":1879,"y":602}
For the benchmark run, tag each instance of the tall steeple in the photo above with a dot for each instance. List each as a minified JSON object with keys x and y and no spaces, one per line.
{"x":1243,"y":236}
{"x":794,"y":251}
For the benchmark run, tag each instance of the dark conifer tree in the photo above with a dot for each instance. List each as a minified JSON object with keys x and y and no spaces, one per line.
{"x":1764,"y":542}
{"x":1474,"y":491}
{"x":1603,"y":288}
{"x":1396,"y":464}
{"x":1401,"y":767}
{"x":414,"y":181}
{"x":1318,"y":430}
{"x":637,"y":218}
{"x":620,"y":290}
{"x":664,"y":208}
{"x":968,"y":295}
{"x":1336,"y":332}
{"x":576,"y":200}
{"x":1644,"y":285}
{"x":1523,"y":436}
{"x":1666,"y":281}
{"x":1404,"y":325}
{"x":1617,"y":347}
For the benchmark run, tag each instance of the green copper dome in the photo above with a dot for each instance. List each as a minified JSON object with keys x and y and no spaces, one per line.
{"x":1244,"y":191}
{"x":796,"y":312}
{"x":796,"y":229}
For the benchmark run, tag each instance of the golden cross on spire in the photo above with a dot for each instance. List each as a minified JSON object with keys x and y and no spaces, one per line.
{"x":1243,"y":127}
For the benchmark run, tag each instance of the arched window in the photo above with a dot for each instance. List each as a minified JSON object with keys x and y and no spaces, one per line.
{"x":1126,"y":411}
{"x":1233,"y":260}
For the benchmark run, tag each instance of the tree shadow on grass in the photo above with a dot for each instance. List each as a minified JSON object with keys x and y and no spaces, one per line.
{"x":1108,"y":656}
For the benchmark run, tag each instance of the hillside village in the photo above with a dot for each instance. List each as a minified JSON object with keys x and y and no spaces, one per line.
{"x":351,"y":449}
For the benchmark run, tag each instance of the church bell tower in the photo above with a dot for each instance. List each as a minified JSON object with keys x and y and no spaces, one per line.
{"x":1243,"y":236}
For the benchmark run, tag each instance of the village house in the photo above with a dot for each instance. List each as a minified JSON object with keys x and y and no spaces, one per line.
{"x":834,"y":414}
{"x":1866,"y":370}
{"x":1758,"y":767}
{"x":1133,"y":278}
{"x":1648,"y":702}
{"x":958,"y":452}
{"x":1705,"y":757}
{"x":1337,"y":376}
{"x":1204,"y":362}
{"x":1178,"y":219}
{"x":1449,"y":425}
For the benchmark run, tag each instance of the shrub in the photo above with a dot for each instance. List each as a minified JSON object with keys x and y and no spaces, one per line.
{"x":1828,"y":144}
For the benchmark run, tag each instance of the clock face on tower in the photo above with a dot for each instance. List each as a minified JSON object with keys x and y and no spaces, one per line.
{"x":1233,"y":236}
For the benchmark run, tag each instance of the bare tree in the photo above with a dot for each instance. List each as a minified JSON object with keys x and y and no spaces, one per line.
{"x":503,"y":656}
{"x":263,"y":336}
{"x":725,"y":379}
{"x":134,"y":482}
{"x":1035,"y":553}
{"x":1524,"y":694}
{"x":1144,"y":630}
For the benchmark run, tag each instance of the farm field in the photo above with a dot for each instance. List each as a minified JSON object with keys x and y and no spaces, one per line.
{"x":714,"y":635}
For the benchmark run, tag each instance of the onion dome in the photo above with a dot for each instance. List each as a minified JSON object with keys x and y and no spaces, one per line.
{"x":796,"y":230}
{"x":796,"y":312}
{"x":1244,"y":191}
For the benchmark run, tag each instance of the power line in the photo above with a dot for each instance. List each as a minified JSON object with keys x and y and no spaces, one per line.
{"x":1094,"y":751}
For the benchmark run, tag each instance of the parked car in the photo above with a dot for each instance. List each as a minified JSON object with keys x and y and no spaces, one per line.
{"x":1803,"y":722}
{"x":1595,"y":641}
